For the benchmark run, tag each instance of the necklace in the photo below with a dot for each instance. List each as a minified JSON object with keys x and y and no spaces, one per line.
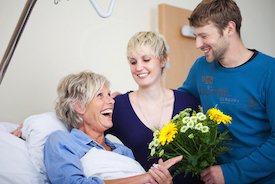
{"x":144,"y":114}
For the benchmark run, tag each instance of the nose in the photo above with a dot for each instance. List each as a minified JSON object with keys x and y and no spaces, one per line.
{"x":110,"y":100}
{"x":139,"y":66}
{"x":199,"y":42}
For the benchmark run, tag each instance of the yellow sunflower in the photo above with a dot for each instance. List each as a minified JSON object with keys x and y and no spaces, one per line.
{"x":218,"y":116}
{"x":167,"y":133}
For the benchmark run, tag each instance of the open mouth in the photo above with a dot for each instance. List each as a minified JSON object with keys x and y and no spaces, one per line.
{"x":206,"y":51}
{"x":143,"y":75}
{"x":107,"y":113}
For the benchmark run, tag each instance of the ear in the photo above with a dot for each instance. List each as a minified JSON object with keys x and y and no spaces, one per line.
{"x":163,"y":62}
{"x":78,"y":107}
{"x":231,"y":28}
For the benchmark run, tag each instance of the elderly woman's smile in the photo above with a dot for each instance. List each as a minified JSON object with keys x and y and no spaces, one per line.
{"x":99,"y":112}
{"x":107,"y":112}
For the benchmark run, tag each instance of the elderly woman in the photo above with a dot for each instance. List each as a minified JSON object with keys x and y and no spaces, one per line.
{"x":85,"y":106}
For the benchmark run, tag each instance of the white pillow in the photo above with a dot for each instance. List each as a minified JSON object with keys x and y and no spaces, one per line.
{"x":8,"y":127}
{"x":35,"y":131}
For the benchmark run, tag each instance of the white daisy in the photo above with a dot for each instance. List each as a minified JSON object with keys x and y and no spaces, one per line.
{"x":183,"y":129}
{"x":205,"y":129}
{"x":190,"y":124}
{"x":185,"y":120}
{"x":194,"y":119}
{"x":198,"y":126}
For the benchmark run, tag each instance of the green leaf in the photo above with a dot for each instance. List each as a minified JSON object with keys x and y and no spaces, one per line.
{"x":193,"y":159}
{"x":204,"y":164}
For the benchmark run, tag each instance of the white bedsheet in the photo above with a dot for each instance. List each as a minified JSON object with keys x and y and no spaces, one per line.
{"x":15,"y":162}
{"x":109,"y":165}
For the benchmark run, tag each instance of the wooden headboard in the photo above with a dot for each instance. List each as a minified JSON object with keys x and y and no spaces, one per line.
{"x":182,"y":49}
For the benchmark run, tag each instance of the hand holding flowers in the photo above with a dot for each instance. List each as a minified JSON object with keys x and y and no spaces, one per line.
{"x":193,"y":135}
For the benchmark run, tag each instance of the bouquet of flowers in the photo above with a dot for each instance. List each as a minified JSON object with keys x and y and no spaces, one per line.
{"x":193,"y":135}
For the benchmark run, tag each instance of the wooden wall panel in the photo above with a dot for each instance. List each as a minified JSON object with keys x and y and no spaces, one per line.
{"x":182,"y":49}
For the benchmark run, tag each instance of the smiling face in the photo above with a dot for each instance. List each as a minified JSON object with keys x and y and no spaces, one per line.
{"x":98,"y":115}
{"x":211,"y":42}
{"x":146,"y":68}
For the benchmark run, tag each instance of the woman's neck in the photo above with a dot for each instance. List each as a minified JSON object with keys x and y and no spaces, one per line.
{"x":153,"y":106}
{"x":97,"y":137}
{"x":152,"y":93}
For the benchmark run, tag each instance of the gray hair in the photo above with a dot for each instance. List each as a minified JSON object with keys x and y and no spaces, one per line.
{"x":77,"y":89}
{"x":149,"y":39}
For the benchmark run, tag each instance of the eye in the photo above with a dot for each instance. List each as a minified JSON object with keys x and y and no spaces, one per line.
{"x":146,"y":59}
{"x":133,"y":61}
{"x":99,"y":95}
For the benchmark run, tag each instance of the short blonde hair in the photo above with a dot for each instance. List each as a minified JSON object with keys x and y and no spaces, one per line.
{"x":77,"y":89}
{"x":149,"y":39}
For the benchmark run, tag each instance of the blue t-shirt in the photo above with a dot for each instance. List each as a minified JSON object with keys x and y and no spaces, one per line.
{"x":247,"y":94}
{"x":62,"y":154}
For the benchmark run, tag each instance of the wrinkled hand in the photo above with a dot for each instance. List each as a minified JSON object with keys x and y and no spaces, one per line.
{"x":161,"y":173}
{"x":114,"y":94}
{"x":213,"y":175}
{"x":18,"y":132}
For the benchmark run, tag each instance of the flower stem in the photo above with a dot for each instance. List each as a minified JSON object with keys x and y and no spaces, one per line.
{"x":182,"y":148}
{"x":195,"y":144}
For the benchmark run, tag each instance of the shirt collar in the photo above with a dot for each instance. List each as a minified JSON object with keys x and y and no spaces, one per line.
{"x":85,"y":139}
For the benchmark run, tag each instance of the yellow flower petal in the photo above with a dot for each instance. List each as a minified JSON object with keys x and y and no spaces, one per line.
{"x":167,"y":134}
{"x":218,"y":116}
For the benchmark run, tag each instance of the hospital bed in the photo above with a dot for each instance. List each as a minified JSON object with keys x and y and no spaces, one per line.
{"x":21,"y":159}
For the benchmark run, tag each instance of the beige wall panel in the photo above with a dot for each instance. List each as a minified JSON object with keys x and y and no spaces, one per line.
{"x":182,"y":49}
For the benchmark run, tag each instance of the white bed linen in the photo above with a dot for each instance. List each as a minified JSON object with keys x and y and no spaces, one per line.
{"x":15,"y":162}
{"x":21,"y":161}
{"x":109,"y":165}
{"x":35,"y":131}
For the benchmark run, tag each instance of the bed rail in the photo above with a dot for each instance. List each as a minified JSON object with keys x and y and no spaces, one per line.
{"x":15,"y":37}
{"x":22,"y":23}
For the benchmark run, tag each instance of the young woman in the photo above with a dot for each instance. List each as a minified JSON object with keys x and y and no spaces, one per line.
{"x":137,"y":113}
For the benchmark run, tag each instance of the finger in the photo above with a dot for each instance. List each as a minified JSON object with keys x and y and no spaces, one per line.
{"x":114,"y":94}
{"x":162,"y":175}
{"x":205,"y":175}
{"x":168,"y":163}
{"x":157,"y":174}
{"x":205,"y":178}
{"x":13,"y":132}
{"x":160,"y":161}
{"x":17,"y":133}
{"x":164,"y":171}
{"x":166,"y":176}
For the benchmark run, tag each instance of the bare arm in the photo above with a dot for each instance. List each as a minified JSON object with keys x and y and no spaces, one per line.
{"x":153,"y":176}
{"x":139,"y":179}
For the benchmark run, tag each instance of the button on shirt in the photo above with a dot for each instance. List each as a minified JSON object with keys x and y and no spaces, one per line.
{"x":62,"y":153}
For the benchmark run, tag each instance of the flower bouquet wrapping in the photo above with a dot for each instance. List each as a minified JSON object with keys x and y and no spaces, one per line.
{"x":193,"y":135}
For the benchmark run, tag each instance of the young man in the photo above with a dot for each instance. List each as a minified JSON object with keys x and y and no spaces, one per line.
{"x":241,"y":82}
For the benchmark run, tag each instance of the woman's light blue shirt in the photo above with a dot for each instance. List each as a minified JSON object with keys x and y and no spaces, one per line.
{"x":63,"y":151}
